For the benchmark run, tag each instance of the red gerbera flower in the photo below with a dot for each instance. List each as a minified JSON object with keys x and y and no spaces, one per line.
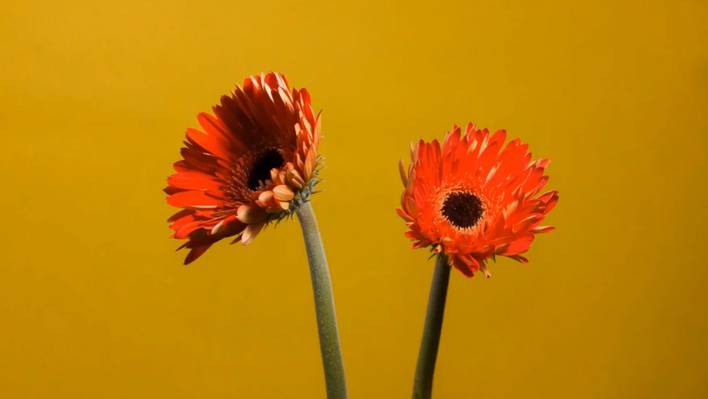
{"x":254,"y":161}
{"x":473,"y":200}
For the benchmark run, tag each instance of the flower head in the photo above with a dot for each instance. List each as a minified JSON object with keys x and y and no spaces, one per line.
{"x":253,"y":161}
{"x":472,"y":199}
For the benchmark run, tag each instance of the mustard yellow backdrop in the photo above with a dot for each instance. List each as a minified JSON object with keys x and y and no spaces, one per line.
{"x":94,"y":101}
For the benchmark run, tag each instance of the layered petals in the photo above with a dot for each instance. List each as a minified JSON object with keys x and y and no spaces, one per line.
{"x":252,"y":161}
{"x":474,"y":198}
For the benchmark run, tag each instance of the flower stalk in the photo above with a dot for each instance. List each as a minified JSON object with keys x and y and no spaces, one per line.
{"x":324,"y":304}
{"x":425,"y":369}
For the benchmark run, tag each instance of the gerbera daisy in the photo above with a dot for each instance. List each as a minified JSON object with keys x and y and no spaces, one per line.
{"x":472,"y":200}
{"x":253,"y":161}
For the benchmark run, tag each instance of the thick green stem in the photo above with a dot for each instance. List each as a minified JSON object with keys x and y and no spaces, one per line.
{"x":423,"y":384}
{"x":324,"y":304}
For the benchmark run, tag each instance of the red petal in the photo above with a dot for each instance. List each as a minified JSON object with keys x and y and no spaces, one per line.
{"x":195,"y":180}
{"x":194,"y":199}
{"x":196,"y":252}
{"x":186,"y":229}
{"x":520,"y":245}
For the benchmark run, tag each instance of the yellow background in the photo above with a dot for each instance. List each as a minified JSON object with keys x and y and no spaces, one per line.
{"x":95,"y":98}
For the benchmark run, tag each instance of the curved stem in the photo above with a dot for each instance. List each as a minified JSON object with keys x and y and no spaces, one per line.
{"x":324,"y":304}
{"x":423,"y":384}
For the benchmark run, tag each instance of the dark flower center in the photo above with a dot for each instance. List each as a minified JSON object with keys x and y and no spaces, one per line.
{"x":260,"y":171}
{"x":462,"y":209}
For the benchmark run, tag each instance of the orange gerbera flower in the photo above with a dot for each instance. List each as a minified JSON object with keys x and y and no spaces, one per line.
{"x":473,"y":200}
{"x":254,"y":161}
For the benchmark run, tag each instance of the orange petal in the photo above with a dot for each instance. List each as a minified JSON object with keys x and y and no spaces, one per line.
{"x":542,"y":229}
{"x":250,"y":214}
{"x":251,"y":232}
{"x":283,"y":193}
{"x":265,"y":197}
{"x":193,"y":199}
{"x":293,"y":178}
{"x":402,"y":171}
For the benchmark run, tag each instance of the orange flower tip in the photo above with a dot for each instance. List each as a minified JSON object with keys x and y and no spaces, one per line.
{"x":274,"y":174}
{"x":293,"y":176}
{"x":501,"y":248}
{"x":250,"y":214}
{"x":543,"y":163}
{"x":308,"y":125}
{"x":310,"y":163}
{"x":284,"y":205}
{"x":486,"y":272}
{"x":283,"y":193}
{"x":296,"y":182}
{"x":526,"y":222}
{"x":318,"y":125}
{"x":519,"y":258}
{"x":402,"y":172}
{"x":404,"y":215}
{"x":250,"y":232}
{"x":543,"y":229}
{"x":265,"y":198}
{"x":217,"y":227}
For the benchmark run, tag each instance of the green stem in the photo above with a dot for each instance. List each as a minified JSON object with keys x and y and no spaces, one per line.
{"x":324,"y":304}
{"x":423,"y":384}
